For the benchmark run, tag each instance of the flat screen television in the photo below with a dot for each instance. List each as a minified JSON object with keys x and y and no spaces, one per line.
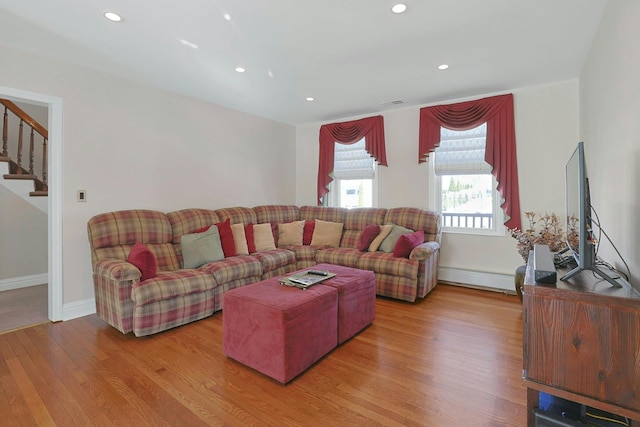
{"x":578,"y":205}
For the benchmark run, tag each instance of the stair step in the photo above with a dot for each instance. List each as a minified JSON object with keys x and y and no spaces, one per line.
{"x":38,"y":193}
{"x":19,"y":176}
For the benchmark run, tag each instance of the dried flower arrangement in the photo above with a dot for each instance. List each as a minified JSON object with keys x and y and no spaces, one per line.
{"x":545,"y":230}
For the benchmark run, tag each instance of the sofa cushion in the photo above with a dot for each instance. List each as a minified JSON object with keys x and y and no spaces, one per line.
{"x":327,"y":233}
{"x":384,"y":232}
{"x":144,"y":259}
{"x":355,"y":222}
{"x":263,"y":237}
{"x":168,"y":285}
{"x":233,"y":269}
{"x":407,"y":242}
{"x":240,"y":239}
{"x":389,"y":242}
{"x":275,"y":259}
{"x":290,"y":233}
{"x":366,"y":237}
{"x":276,"y":213}
{"x":347,"y":257}
{"x":187,"y":221}
{"x":307,"y":233}
{"x":201,"y":248}
{"x":226,"y":238}
{"x":384,"y":263}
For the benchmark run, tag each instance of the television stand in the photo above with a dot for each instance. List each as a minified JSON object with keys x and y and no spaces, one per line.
{"x":581,"y":342}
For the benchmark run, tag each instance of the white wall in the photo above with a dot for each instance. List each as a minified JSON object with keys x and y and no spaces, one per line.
{"x":546,"y":133}
{"x":23,"y":238}
{"x":610,"y":128}
{"x":133,"y":146}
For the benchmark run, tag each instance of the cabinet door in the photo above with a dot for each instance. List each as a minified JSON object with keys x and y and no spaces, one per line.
{"x":583,"y":347}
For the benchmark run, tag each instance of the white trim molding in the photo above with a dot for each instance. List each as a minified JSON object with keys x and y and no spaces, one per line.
{"x":478,"y":279}
{"x":24,"y":282}
{"x":76,"y":309}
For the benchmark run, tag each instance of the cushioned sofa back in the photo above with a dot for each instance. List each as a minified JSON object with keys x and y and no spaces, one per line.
{"x":237,"y":215}
{"x":277,"y":213}
{"x":112,"y":234}
{"x":356,"y":220}
{"x":417,"y":219}
{"x":309,"y":213}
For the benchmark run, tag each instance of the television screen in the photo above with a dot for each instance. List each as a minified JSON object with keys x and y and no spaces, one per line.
{"x":581,"y":244}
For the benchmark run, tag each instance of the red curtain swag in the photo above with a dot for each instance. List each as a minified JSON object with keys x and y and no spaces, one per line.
{"x":371,"y":129}
{"x":500,"y":151}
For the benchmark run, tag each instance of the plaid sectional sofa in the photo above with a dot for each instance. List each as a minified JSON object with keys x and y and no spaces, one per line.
{"x":177,"y":296}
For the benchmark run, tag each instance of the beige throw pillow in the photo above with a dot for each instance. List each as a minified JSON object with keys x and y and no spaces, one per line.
{"x":290,"y":233}
{"x":240,"y":239}
{"x":263,"y":237}
{"x":327,"y":233}
{"x":384,"y":232}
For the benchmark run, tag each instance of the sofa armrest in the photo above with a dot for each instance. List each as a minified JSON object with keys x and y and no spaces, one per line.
{"x":115,"y":269}
{"x":424,"y":251}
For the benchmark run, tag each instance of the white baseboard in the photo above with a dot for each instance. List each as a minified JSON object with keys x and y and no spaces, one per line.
{"x":478,"y":279}
{"x":77,"y":309}
{"x":23,"y":282}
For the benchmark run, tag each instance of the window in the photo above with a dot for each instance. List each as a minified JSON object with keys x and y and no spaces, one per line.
{"x":465,"y":189}
{"x":353,"y":177}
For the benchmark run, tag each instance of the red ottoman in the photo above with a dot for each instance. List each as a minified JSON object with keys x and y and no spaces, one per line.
{"x":356,"y":298}
{"x":279,"y":330}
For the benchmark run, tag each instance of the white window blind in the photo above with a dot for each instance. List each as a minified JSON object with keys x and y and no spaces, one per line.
{"x":461,"y":152}
{"x":351,"y":161}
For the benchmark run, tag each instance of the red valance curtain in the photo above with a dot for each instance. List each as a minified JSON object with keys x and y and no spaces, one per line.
{"x":500,"y":151}
{"x":371,"y":129}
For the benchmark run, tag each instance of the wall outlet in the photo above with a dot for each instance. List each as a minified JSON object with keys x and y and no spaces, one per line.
{"x":82,"y":195}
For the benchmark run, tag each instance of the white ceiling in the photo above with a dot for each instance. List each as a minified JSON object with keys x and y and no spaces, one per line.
{"x":352,"y":56}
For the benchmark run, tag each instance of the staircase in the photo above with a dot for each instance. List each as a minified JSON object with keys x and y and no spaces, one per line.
{"x":26,"y":181}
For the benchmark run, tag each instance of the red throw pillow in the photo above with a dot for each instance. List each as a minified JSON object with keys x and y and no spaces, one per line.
{"x":407,"y":242}
{"x":366,"y":237}
{"x":226,"y":238}
{"x":251,"y":243}
{"x":142,"y":257}
{"x":307,"y":233}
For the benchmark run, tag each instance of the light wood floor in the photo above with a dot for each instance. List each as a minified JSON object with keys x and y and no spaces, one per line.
{"x":452,"y":359}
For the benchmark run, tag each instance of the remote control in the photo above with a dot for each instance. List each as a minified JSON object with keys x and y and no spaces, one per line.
{"x":317,"y":272}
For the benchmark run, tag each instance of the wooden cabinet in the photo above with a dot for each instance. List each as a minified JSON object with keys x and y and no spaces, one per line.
{"x":581,"y":342}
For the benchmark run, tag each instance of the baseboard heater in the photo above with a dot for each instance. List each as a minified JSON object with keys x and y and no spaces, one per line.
{"x":543,"y":267}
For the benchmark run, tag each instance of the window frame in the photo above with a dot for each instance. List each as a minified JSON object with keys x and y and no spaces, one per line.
{"x":435,"y":201}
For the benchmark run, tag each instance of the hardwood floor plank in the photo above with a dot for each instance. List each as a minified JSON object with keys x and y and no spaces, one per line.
{"x":454,"y":358}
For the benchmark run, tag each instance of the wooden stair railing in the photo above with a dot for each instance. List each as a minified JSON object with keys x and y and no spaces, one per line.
{"x":16,"y":169}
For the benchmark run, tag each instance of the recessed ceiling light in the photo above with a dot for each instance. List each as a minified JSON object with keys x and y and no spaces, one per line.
{"x":188,"y":43}
{"x":240,"y":69}
{"x":399,"y":8}
{"x":113,"y":17}
{"x":227,"y":16}
{"x":443,"y":67}
{"x":310,"y":98}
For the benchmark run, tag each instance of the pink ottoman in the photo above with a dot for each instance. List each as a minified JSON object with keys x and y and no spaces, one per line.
{"x":356,"y":298}
{"x":279,"y":330}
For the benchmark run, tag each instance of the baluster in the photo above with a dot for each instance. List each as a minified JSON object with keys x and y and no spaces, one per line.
{"x":31,"y":152}
{"x":45,"y":186}
{"x":19,"y":170}
{"x":4,"y":133}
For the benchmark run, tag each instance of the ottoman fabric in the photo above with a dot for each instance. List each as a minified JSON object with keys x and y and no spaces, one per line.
{"x":356,"y":298}
{"x":279,"y":330}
